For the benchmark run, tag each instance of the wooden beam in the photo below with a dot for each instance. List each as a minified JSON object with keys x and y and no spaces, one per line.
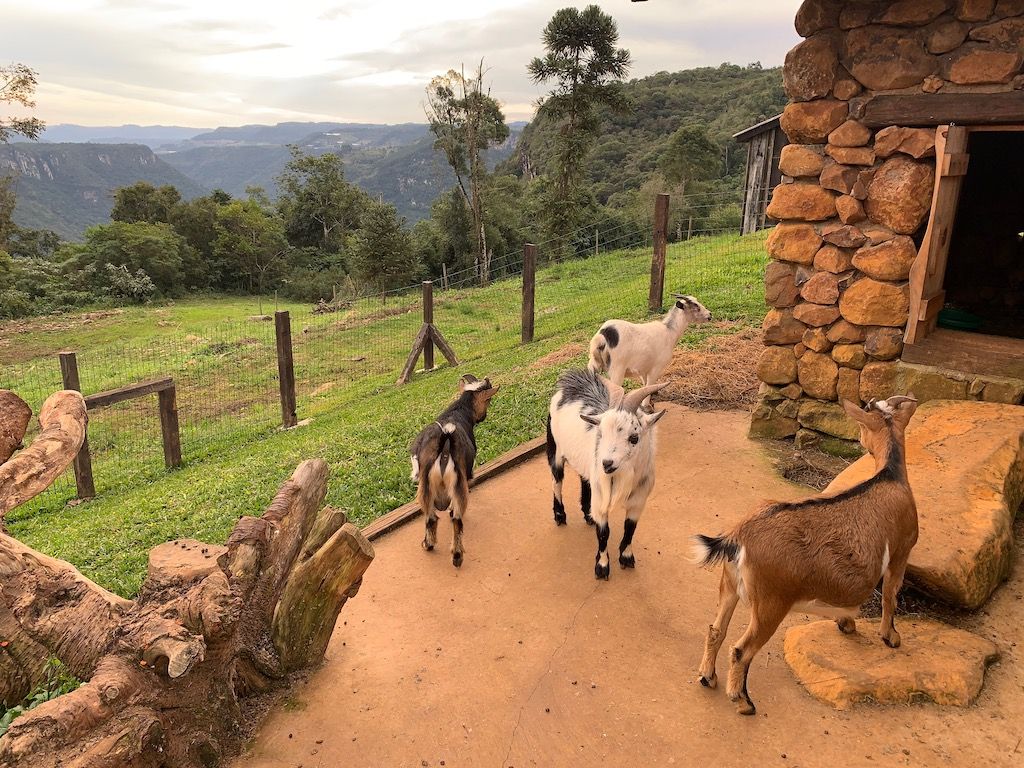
{"x":83,"y":461}
{"x":931,"y":306}
{"x":529,"y":290}
{"x":169,"y":427}
{"x":285,"y":367}
{"x":428,"y":318}
{"x":954,"y":165}
{"x":414,"y":354}
{"x":943,"y":108}
{"x":506,"y":461}
{"x":443,"y":345}
{"x":656,"y":296}
{"x":130,"y":392}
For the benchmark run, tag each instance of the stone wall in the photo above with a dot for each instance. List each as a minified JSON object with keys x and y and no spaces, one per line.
{"x":854,"y":202}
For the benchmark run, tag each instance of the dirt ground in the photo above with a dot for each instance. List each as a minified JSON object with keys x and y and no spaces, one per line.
{"x":522,"y":659}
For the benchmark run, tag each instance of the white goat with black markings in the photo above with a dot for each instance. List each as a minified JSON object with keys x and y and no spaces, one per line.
{"x":609,"y":440}
{"x":643,"y":350}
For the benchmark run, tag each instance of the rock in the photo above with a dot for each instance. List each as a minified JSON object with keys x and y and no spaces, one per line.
{"x":860,"y":188}
{"x":932,"y":84}
{"x":916,"y":142}
{"x":878,"y":380}
{"x":900,"y":194}
{"x":768,"y":394}
{"x":848,"y":387}
{"x":930,"y":383}
{"x":815,"y":314}
{"x":806,"y":438}
{"x":799,"y":160}
{"x":839,"y":178}
{"x":793,"y":242}
{"x":822,"y":288}
{"x":912,"y":13}
{"x":883,"y":58}
{"x":856,"y":14}
{"x":780,"y":327}
{"x":1003,"y":391}
{"x":15,"y":415}
{"x":850,"y":209}
{"x":1008,"y":32}
{"x":869,"y":302}
{"x":843,"y":236}
{"x":810,"y":68}
{"x":851,"y":155}
{"x":946,"y":36}
{"x":806,"y":202}
{"x":777,"y":365}
{"x":799,"y":349}
{"x":977,"y":63}
{"x":845,"y":332}
{"x":974,"y":10}
{"x":816,"y":340}
{"x":818,"y":374}
{"x":845,"y":87}
{"x":850,"y":355}
{"x":935,"y":662}
{"x":890,"y":260}
{"x":829,"y":418}
{"x":884,"y":343}
{"x":780,"y":288}
{"x":832,"y":259}
{"x":766,"y":422}
{"x":876,"y":234}
{"x":1006,"y":8}
{"x":810,"y":122}
{"x":850,"y":134}
{"x":816,"y":15}
{"x":965,"y":461}
{"x":791,"y":391}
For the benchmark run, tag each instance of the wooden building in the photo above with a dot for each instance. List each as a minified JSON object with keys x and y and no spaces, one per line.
{"x":764,"y":145}
{"x":898,"y":260}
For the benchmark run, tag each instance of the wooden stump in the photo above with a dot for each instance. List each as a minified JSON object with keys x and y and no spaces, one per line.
{"x":167,"y":674}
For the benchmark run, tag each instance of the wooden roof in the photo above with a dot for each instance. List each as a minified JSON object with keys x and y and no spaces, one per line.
{"x":765,"y":125}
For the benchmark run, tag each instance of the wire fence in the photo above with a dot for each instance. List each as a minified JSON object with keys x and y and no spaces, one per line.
{"x":226,"y":376}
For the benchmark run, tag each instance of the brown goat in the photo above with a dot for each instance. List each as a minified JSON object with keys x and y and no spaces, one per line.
{"x":823,"y":555}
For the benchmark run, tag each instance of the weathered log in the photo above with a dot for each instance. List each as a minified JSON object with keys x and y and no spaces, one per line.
{"x":14,"y":417}
{"x":33,"y":469}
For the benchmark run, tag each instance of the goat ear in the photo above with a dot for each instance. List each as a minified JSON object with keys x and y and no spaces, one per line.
{"x":590,"y":419}
{"x":905,"y":410}
{"x":867,"y":419}
{"x":486,"y":394}
{"x":650,"y":419}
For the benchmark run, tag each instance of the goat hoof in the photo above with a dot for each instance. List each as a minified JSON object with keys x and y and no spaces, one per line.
{"x":588,"y":520}
{"x":457,"y":559}
{"x":627,"y":562}
{"x":893,"y":641}
{"x":602,"y":571}
{"x":428,"y":546}
{"x":709,"y":682}
{"x":560,"y":519}
{"x":847,"y":626}
{"x":746,"y":708}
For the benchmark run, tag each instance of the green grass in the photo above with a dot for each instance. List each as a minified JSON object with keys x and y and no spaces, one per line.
{"x":346,"y":364}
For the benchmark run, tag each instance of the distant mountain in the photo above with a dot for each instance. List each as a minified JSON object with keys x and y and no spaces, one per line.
{"x":354,"y":134}
{"x":152,"y":136}
{"x":68,"y":187}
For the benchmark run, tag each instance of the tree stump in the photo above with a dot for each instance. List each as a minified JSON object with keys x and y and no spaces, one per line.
{"x":168,"y":672}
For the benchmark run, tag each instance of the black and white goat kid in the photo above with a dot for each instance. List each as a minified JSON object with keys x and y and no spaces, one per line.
{"x":442,"y":458}
{"x":604,"y":434}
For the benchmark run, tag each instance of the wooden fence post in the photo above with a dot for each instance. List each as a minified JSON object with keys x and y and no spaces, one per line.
{"x":169,"y":426}
{"x":529,"y":289}
{"x":285,"y":367}
{"x":656,"y":298}
{"x":428,"y":318}
{"x":83,"y":461}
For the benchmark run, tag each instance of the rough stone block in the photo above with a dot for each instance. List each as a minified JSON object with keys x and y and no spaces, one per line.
{"x":780,"y":327}
{"x":801,"y":160}
{"x":818,"y":374}
{"x":883,"y":58}
{"x":804,"y":202}
{"x":777,"y":365}
{"x":833,"y":259}
{"x":815,"y":314}
{"x":829,"y":418}
{"x":916,"y":142}
{"x":851,"y":155}
{"x":850,"y":355}
{"x":850,"y":134}
{"x":793,"y":242}
{"x":870,"y":302}
{"x":890,"y":260}
{"x":810,"y":68}
{"x":900,"y":194}
{"x":810,"y":122}
{"x":822,"y":288}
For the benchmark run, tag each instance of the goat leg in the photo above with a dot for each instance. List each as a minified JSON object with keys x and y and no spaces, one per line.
{"x":460,"y":501}
{"x":585,"y":501}
{"x":765,"y":618}
{"x":728,"y":597}
{"x":890,"y":588}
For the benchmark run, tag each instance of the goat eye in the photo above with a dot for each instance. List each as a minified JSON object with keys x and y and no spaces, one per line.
{"x":634,"y":439}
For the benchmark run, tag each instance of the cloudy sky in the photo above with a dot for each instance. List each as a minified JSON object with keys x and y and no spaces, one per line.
{"x":205,"y":63}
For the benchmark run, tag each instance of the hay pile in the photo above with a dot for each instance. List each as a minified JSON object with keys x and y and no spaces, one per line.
{"x":720,"y":375}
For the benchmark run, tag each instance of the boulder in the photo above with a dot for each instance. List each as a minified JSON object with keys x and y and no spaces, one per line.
{"x":890,"y":260}
{"x":822,"y":288}
{"x":845,"y":332}
{"x":851,"y":155}
{"x":848,"y":387}
{"x":912,"y":13}
{"x":845,"y":87}
{"x":850,"y":209}
{"x":884,"y":343}
{"x":930,"y":383}
{"x":805,"y":202}
{"x":829,"y":418}
{"x":850,"y":134}
{"x":767,"y":422}
{"x":946,"y":36}
{"x":833,"y":259}
{"x":816,"y":340}
{"x":810,"y":122}
{"x":870,"y":302}
{"x":916,"y":142}
{"x":1006,"y":8}
{"x":839,"y":178}
{"x":856,"y":15}
{"x":883,"y":58}
{"x":977,"y":63}
{"x":780,"y":327}
{"x":796,"y":243}
{"x":843,"y":236}
{"x":810,"y":68}
{"x":818,"y":374}
{"x":816,"y":15}
{"x":815,"y":314}
{"x":850,"y":355}
{"x":965,"y":461}
{"x":777,"y":365}
{"x":799,"y":160}
{"x":877,"y":234}
{"x":974,"y":10}
{"x":900,"y":194}
{"x":878,"y":381}
{"x":780,"y":288}
{"x":1008,"y":32}
{"x":935,"y":663}
{"x":791,"y":391}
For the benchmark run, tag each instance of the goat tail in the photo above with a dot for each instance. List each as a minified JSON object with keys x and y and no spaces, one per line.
{"x":711,"y":550}
{"x":600,"y":358}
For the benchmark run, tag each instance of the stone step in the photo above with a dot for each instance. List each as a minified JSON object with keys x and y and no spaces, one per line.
{"x":936,"y":663}
{"x":965,"y":461}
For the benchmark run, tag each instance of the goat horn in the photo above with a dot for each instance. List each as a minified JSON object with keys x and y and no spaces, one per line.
{"x":633,"y":400}
{"x":900,"y":399}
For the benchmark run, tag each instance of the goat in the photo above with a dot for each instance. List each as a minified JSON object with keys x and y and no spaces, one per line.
{"x":823,"y":555}
{"x":599,"y":429}
{"x":643,"y":351}
{"x":442,"y":457}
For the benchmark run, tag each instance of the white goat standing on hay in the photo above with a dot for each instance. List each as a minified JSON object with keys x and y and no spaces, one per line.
{"x":643,"y":350}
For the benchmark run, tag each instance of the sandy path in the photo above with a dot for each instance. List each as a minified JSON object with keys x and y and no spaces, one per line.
{"x":522,"y":659}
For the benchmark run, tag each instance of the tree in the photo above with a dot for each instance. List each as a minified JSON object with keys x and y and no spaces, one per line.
{"x":691,"y":155}
{"x":318,"y":206}
{"x":154,"y":249}
{"x":587,"y":68}
{"x":381,"y":249}
{"x":465,"y":121}
{"x":196,"y":221}
{"x":17,"y":86}
{"x":144,"y":202}
{"x":250,"y":246}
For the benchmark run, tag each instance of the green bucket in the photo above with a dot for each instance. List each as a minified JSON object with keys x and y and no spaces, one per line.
{"x":958,"y":319}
